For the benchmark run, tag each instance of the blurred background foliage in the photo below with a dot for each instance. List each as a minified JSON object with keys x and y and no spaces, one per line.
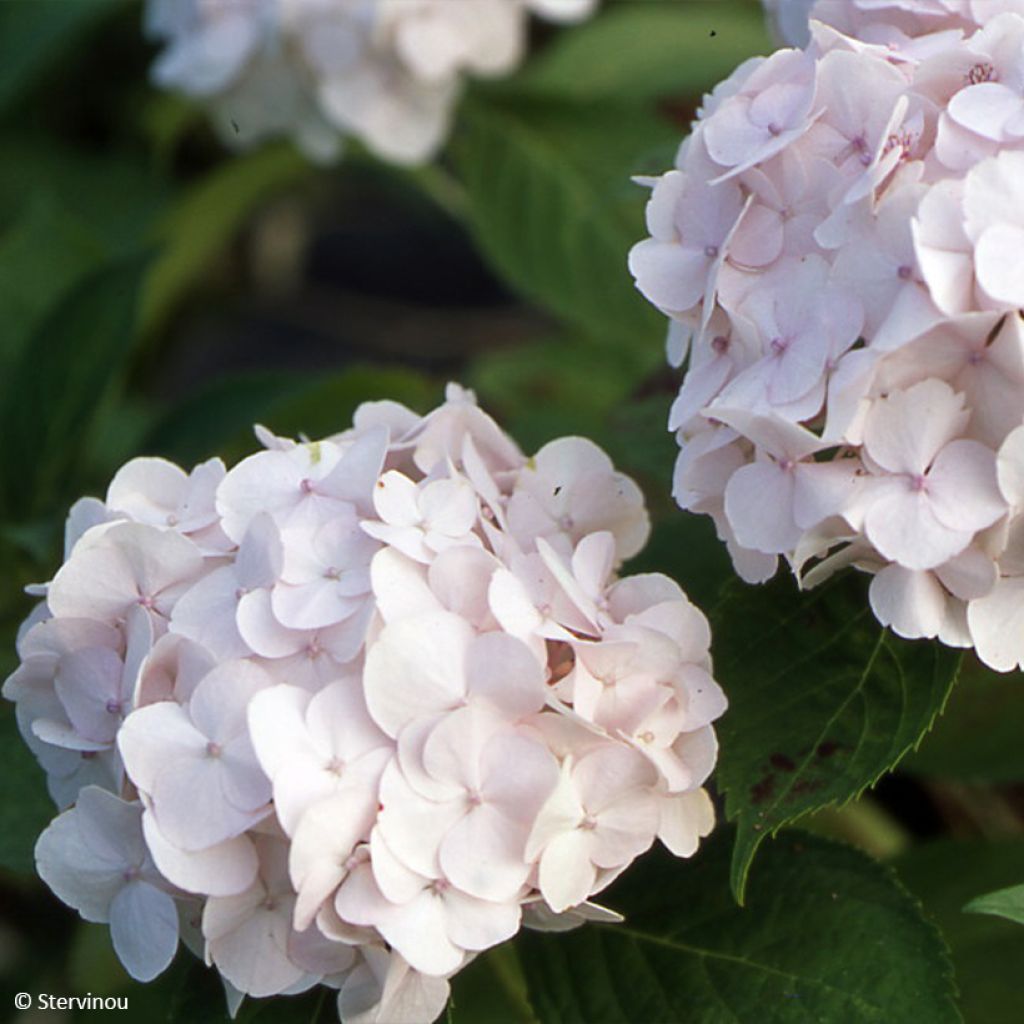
{"x":159,"y":295}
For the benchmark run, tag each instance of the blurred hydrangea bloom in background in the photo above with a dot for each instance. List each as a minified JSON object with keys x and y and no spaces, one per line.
{"x":387,"y":72}
{"x":354,"y":710}
{"x":838,"y":248}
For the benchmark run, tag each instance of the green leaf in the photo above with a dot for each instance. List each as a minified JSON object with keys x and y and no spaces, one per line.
{"x":823,"y":701}
{"x":49,"y":400}
{"x":25,"y":806}
{"x":208,"y":216}
{"x":944,"y":875}
{"x":41,"y":256}
{"x":1008,"y":903}
{"x":828,"y":935}
{"x":978,"y":736}
{"x":492,"y":989}
{"x":34,"y":34}
{"x":637,"y":50}
{"x":554,"y":211}
{"x":117,"y":195}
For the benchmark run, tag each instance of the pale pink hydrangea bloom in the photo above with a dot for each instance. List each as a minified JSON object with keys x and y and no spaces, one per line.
{"x":386,"y":72}
{"x":838,"y":250}
{"x":357,"y":709}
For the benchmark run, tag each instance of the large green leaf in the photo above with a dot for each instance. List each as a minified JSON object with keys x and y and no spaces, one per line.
{"x":56,"y":385}
{"x":42,"y":255}
{"x":944,"y":875}
{"x":208,"y":216}
{"x":115,"y":194}
{"x":639,"y":50}
{"x":551,"y":203}
{"x":978,"y":736}
{"x":828,"y":935}
{"x":823,"y":701}
{"x":34,"y":34}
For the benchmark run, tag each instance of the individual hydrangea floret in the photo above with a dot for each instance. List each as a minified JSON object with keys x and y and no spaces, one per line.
{"x":838,"y":250}
{"x":386,"y":72}
{"x":356,"y":709}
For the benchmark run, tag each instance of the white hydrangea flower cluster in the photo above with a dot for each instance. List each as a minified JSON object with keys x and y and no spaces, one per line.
{"x":839,"y":248}
{"x":354,"y":710}
{"x":387,"y":72}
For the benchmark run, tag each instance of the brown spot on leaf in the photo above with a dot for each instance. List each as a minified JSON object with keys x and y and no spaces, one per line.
{"x":763,"y":790}
{"x":827,"y":749}
{"x":782,"y":762}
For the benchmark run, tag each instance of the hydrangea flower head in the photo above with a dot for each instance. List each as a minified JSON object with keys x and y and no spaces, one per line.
{"x":837,"y":249}
{"x":386,"y":72}
{"x":357,"y":709}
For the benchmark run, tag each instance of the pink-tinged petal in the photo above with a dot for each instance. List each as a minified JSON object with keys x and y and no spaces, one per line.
{"x":567,"y":876}
{"x":252,"y":955}
{"x":399,"y":995}
{"x":759,"y":506}
{"x":970,"y":575}
{"x":416,"y":668}
{"x":260,"y":555}
{"x":593,"y":561}
{"x":482,"y":854}
{"x":147,"y":489}
{"x":624,"y":830}
{"x":905,"y":431}
{"x":323,"y":842}
{"x":963,"y":488}
{"x":144,"y":929}
{"x":512,"y":605}
{"x":699,"y":751}
{"x":356,"y":472}
{"x":460,"y":578}
{"x":503,"y":671}
{"x":1010,"y":467}
{"x":222,"y":870}
{"x":610,"y":773}
{"x":454,"y":750}
{"x":419,"y":931}
{"x":823,"y":489}
{"x":476,"y":924}
{"x":126,"y":565}
{"x":704,"y":698}
{"x":277,"y":724}
{"x":190,"y":807}
{"x":219,"y":703}
{"x":449,"y":507}
{"x":88,"y":683}
{"x":312,"y":605}
{"x":685,"y":819}
{"x":206,"y":612}
{"x":154,"y":736}
{"x":395,"y":500}
{"x":397,"y":882}
{"x":262,"y":631}
{"x":668,"y":275}
{"x":759,"y":238}
{"x":996,"y":622}
{"x":400,"y":586}
{"x":901,"y":525}
{"x":911,"y":602}
{"x":412,"y":826}
{"x":985,"y":108}
{"x":998,"y":266}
